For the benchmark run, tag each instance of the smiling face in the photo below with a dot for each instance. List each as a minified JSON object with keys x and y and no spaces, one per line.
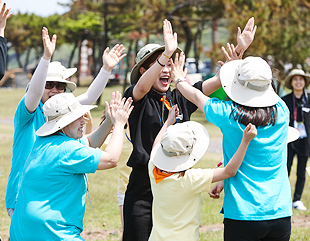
{"x":48,"y":93}
{"x":298,"y":83}
{"x":163,"y":80}
{"x":75,"y":129}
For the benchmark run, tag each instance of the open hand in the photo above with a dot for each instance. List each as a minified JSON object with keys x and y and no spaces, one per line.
{"x":246,"y":37}
{"x":231,"y":54}
{"x":170,"y":38}
{"x":49,"y":46}
{"x":111,"y":59}
{"x":4,"y":15}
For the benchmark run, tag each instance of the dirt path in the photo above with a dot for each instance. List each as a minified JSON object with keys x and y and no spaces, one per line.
{"x":297,"y":221}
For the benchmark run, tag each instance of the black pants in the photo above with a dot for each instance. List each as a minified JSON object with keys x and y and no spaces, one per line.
{"x":138,"y":207}
{"x":301,"y":171}
{"x":268,"y":230}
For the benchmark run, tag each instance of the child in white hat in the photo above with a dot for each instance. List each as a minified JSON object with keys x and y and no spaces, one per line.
{"x":175,"y":186}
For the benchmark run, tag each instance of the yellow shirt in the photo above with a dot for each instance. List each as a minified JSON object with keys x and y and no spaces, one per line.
{"x":176,"y":204}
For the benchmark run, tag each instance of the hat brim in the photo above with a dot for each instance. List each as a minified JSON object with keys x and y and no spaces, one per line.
{"x":287,"y":80}
{"x":292,"y":134}
{"x":53,"y":126}
{"x":135,"y":73}
{"x":182,"y":163}
{"x":243,"y":95}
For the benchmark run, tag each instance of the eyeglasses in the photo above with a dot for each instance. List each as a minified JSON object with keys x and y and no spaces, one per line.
{"x":59,"y":85}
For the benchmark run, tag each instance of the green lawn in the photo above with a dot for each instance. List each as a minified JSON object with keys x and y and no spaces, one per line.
{"x":103,"y":184}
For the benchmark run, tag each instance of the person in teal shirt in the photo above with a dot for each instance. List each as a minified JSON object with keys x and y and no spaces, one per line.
{"x":49,"y":79}
{"x":257,"y":201}
{"x":51,"y":199}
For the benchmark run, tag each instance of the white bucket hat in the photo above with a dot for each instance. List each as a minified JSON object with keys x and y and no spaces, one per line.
{"x":142,"y":56}
{"x":181,"y":147}
{"x":293,"y":72}
{"x":61,"y":110}
{"x":59,"y":73}
{"x":248,"y":82}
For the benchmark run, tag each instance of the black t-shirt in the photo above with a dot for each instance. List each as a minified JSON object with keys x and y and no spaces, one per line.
{"x":3,"y":52}
{"x":146,"y":119}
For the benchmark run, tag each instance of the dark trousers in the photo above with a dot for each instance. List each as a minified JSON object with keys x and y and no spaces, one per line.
{"x":301,"y":171}
{"x":138,"y":207}
{"x":267,"y":230}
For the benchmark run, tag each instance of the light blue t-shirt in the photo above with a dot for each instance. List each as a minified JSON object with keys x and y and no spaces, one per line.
{"x":51,"y":201}
{"x":25,"y":126}
{"x":260,"y":190}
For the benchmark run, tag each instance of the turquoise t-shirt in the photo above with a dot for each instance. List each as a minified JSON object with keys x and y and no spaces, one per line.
{"x":260,"y":190}
{"x":25,"y":126}
{"x":51,"y":201}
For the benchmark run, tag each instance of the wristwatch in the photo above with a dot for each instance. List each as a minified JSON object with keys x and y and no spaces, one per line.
{"x":178,"y":80}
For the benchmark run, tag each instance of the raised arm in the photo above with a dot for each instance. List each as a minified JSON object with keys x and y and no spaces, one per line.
{"x":214,"y":83}
{"x":4,"y":15}
{"x":173,"y":113}
{"x":188,"y":91}
{"x":234,"y":163}
{"x":37,"y":82}
{"x":246,"y":37}
{"x":113,"y":151}
{"x":110,"y":60}
{"x":149,"y":76}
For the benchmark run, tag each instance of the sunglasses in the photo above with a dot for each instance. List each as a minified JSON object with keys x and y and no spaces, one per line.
{"x":59,"y":85}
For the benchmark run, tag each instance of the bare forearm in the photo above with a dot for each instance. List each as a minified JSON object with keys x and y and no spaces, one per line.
{"x":233,"y":165}
{"x":192,"y":94}
{"x":211,"y":85}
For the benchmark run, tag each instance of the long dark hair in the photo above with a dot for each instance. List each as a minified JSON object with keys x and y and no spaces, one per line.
{"x":258,"y":116}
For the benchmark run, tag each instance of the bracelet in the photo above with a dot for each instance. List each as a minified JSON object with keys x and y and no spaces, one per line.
{"x":165,"y":55}
{"x":179,"y":80}
{"x":162,"y":65}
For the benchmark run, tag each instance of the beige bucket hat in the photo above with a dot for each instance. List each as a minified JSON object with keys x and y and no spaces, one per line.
{"x":144,"y":53}
{"x":181,"y":147}
{"x":59,"y":111}
{"x":248,"y":82}
{"x":288,"y":78}
{"x":59,"y":73}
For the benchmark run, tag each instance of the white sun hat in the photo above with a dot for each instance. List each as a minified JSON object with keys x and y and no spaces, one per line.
{"x":59,"y":73}
{"x":181,"y":147}
{"x":144,"y":53}
{"x":61,"y":110}
{"x":248,"y":82}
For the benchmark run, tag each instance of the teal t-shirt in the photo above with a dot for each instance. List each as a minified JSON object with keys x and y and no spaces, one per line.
{"x":51,"y":201}
{"x":25,"y":126}
{"x":260,"y":190}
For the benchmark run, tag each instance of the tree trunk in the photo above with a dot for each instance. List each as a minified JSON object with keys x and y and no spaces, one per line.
{"x":189,"y":37}
{"x":79,"y":64}
{"x":27,"y":59}
{"x":18,"y":59}
{"x":72,"y":54}
{"x":128,"y":62}
{"x":214,"y":41}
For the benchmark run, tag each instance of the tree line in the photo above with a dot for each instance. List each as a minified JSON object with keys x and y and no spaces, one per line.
{"x":282,"y":36}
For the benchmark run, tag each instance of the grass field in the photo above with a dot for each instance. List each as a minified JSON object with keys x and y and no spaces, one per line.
{"x":103,"y":184}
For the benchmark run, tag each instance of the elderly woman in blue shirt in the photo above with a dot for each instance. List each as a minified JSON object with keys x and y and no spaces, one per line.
{"x":51,"y":200}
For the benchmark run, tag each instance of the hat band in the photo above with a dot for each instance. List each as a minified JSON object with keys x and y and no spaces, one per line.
{"x":175,"y":153}
{"x":247,"y":84}
{"x":68,"y":109}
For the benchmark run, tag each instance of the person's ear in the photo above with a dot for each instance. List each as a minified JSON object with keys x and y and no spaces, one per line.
{"x":142,"y":70}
